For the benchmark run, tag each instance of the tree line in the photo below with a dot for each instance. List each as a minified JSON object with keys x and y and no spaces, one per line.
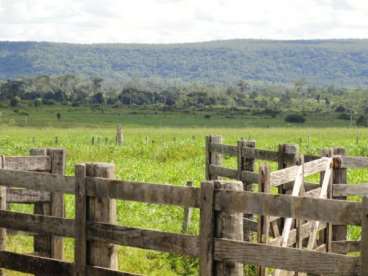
{"x":297,"y":99}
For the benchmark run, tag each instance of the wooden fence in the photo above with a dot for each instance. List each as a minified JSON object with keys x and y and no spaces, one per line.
{"x":220,"y":245}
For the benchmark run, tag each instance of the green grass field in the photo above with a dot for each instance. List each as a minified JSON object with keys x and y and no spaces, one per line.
{"x":152,"y":153}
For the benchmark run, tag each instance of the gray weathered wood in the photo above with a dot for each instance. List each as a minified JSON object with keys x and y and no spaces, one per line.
{"x":246,"y":176}
{"x":143,"y":192}
{"x":335,"y":211}
{"x":264,"y":221}
{"x":80,"y":246}
{"x":286,"y":175}
{"x":27,"y":163}
{"x":37,"y":181}
{"x":187,"y":216}
{"x":3,"y":206}
{"x":146,"y":239}
{"x":229,"y":226}
{"x":364,"y":239}
{"x":207,"y":229}
{"x":345,"y":247}
{"x":103,"y":210}
{"x":343,"y":190}
{"x":19,"y":195}
{"x":291,"y":259}
{"x":354,"y":162}
{"x":119,"y":135}
{"x":212,"y":158}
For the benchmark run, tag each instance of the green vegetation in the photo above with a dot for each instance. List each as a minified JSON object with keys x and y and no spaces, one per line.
{"x":155,"y":154}
{"x":320,"y":62}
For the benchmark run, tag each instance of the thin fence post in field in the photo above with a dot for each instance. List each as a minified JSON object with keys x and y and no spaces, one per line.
{"x":102,"y":210}
{"x":119,"y":135}
{"x":2,"y":207}
{"x":263,"y":221}
{"x":229,"y":226}
{"x":212,"y":158}
{"x":93,"y":140}
{"x":206,"y":229}
{"x":364,"y":239}
{"x":56,"y":140}
{"x":187,"y":213}
{"x":80,"y":245}
{"x":246,"y":164}
{"x":339,"y":176}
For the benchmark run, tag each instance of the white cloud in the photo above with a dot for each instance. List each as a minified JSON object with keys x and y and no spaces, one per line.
{"x":164,"y":21}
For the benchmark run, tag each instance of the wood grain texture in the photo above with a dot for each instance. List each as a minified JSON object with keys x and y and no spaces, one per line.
{"x":335,"y":211}
{"x":364,"y":239}
{"x":291,"y":259}
{"x":27,"y":163}
{"x":207,"y":229}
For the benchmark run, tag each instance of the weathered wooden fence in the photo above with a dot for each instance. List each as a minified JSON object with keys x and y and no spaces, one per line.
{"x":220,"y":245}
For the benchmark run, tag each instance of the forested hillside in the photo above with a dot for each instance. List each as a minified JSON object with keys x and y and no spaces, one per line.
{"x":333,"y":62}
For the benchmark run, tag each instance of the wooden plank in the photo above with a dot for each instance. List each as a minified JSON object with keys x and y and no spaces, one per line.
{"x":147,"y":239}
{"x":187,"y":215}
{"x":345,"y":247}
{"x":364,"y":239}
{"x":80,"y":246}
{"x":101,"y":271}
{"x":212,"y":158}
{"x":311,"y":157}
{"x":34,"y":264}
{"x":354,"y":162}
{"x":58,"y":162}
{"x":207,"y":229}
{"x":291,"y":259}
{"x":342,"y":190}
{"x":335,"y":211}
{"x":246,"y":176}
{"x":103,"y":210}
{"x":37,"y":181}
{"x":327,"y":181}
{"x":143,"y":192}
{"x":229,"y":226}
{"x":27,"y":163}
{"x":19,"y":195}
{"x":45,"y":225}
{"x":224,"y":149}
{"x":263,"y":221}
{"x":288,"y":174}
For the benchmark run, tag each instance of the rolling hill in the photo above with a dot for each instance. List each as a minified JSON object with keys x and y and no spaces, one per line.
{"x":319,"y":62}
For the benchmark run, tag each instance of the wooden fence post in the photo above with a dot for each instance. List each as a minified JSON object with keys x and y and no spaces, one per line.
{"x":229,"y":226}
{"x":264,"y":221}
{"x":187,"y":213}
{"x":211,"y":157}
{"x":80,"y":245}
{"x":339,"y":232}
{"x":207,"y":229}
{"x":48,"y":246}
{"x":2,"y":207}
{"x":246,"y":164}
{"x":364,"y":239}
{"x":101,"y":210}
{"x":119,"y":135}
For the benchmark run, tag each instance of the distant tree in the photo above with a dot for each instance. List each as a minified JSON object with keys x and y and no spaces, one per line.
{"x":37,"y":102}
{"x":58,"y":116}
{"x":15,"y":101}
{"x":295,"y":118}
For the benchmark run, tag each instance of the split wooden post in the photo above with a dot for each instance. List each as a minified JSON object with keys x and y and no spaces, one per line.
{"x":80,"y":245}
{"x":51,"y":246}
{"x":264,"y":221}
{"x":119,"y":135}
{"x":246,"y":163}
{"x":2,"y":207}
{"x":212,"y":158}
{"x":207,"y":229}
{"x":101,"y":210}
{"x":339,"y":232}
{"x":364,"y":239}
{"x":187,"y":213}
{"x":229,"y":226}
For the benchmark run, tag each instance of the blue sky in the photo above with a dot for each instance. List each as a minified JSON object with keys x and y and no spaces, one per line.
{"x":169,"y":21}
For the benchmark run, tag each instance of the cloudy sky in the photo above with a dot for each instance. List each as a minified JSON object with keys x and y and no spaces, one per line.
{"x":166,"y":21}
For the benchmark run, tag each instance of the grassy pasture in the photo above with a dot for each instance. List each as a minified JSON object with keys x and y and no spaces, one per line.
{"x":173,"y":154}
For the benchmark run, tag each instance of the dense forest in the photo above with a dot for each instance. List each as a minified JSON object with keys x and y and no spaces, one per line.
{"x":342,"y":63}
{"x":295,"y":101}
